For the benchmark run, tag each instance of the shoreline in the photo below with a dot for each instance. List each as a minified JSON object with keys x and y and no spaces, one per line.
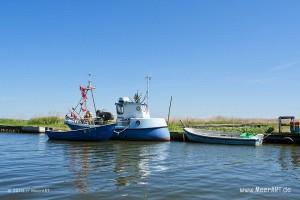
{"x":237,"y":125}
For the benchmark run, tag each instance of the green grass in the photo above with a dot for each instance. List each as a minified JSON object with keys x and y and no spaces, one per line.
{"x":51,"y":121}
{"x":238,"y":125}
{"x":46,"y":120}
{"x":254,"y":130}
{"x":13,"y":122}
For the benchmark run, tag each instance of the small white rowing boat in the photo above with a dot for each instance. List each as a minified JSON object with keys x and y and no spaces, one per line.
{"x":217,"y":137}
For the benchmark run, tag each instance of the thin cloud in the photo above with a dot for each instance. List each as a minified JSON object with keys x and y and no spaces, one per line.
{"x":285,"y":66}
{"x":277,"y":68}
{"x":261,"y":81}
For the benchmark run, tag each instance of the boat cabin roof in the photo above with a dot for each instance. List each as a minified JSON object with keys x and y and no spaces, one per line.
{"x":127,"y":108}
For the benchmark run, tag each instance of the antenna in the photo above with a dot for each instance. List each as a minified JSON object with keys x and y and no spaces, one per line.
{"x":148,"y":91}
{"x":89,"y":81}
{"x":91,"y":88}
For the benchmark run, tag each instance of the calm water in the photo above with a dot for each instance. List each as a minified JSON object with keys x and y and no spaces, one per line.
{"x":143,"y":170}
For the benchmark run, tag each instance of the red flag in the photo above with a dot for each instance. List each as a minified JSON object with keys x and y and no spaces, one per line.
{"x":83,"y":93}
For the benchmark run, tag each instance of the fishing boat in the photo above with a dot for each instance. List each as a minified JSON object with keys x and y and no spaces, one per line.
{"x":216,"y":137}
{"x":80,"y":116}
{"x":99,"y":133}
{"x":134,"y":121}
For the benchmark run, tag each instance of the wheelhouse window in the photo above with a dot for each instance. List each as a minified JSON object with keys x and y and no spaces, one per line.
{"x":120,"y":109}
{"x":144,"y":107}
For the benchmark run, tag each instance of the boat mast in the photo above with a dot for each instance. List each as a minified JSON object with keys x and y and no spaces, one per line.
{"x":91,"y":88}
{"x":147,"y":93}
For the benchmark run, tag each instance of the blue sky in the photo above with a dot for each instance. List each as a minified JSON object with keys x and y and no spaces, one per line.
{"x":229,"y":58}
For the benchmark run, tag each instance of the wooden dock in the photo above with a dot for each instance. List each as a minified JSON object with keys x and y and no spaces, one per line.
{"x":21,"y":129}
{"x":10,"y":129}
{"x":282,"y":138}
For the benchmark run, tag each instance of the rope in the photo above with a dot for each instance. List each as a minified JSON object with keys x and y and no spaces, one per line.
{"x":121,"y":130}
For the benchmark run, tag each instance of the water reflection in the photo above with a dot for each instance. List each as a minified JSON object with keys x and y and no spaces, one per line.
{"x":128,"y":162}
{"x":127,"y":165}
{"x":79,"y":166}
{"x":134,"y":170}
{"x":41,"y":142}
{"x":289,"y":157}
{"x":133,"y":161}
{"x":117,"y":164}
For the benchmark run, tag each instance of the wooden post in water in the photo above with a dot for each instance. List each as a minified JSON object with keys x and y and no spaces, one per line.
{"x":279,"y":124}
{"x":169,"y":109}
{"x":183,"y":134}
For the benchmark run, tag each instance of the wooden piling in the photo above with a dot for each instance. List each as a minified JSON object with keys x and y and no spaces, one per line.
{"x":21,"y":129}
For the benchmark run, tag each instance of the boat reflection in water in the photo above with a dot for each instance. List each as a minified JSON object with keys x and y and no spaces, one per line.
{"x":289,"y":157}
{"x":79,"y":166}
{"x":111,"y":165}
{"x":135,"y":161}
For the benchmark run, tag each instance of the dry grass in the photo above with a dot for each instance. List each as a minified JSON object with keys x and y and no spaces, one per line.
{"x":227,"y":120}
{"x":253,"y":125}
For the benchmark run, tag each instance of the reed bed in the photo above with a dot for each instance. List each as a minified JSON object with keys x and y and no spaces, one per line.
{"x":47,"y":121}
{"x":219,"y":123}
